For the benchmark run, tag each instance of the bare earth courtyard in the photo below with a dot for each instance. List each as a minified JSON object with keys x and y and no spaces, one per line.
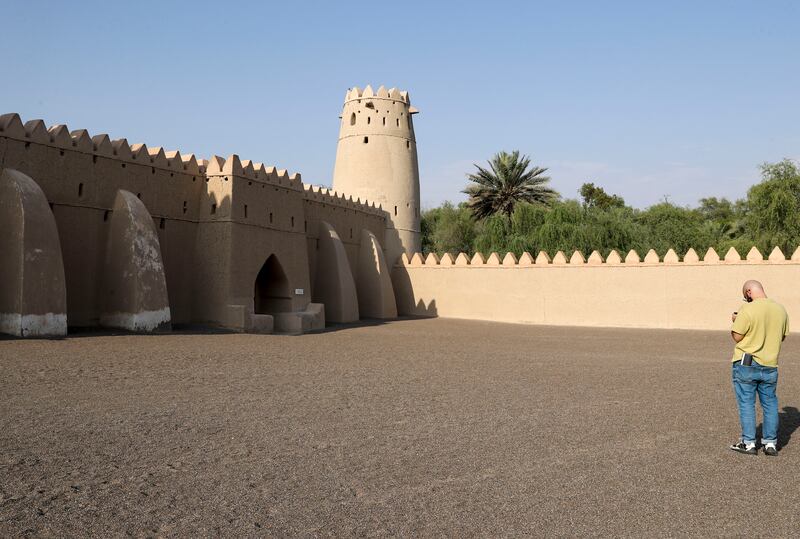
{"x":414,"y":427}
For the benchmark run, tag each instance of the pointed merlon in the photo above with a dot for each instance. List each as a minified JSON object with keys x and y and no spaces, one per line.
{"x":754,"y":255}
{"x":446,"y":260}
{"x":174,"y":160}
{"x":368,"y":92}
{"x":36,"y":131}
{"x":101,"y":144}
{"x":595,"y":259}
{"x":796,"y":255}
{"x":122,"y":149}
{"x":11,"y":126}
{"x":233,"y":166}
{"x":417,"y":260}
{"x":671,"y":257}
{"x":462,"y":260}
{"x":140,"y":154}
{"x":157,"y":157}
{"x":190,"y":164}
{"x":82,"y":141}
{"x":394,"y":93}
{"x":477,"y":260}
{"x":382,"y":92}
{"x":632,"y":258}
{"x":403,"y":260}
{"x":651,"y":257}
{"x":493,"y":260}
{"x":526,"y":259}
{"x":215,"y":165}
{"x":543,"y":258}
{"x":691,"y":257}
{"x":732,"y":255}
{"x":59,"y":136}
{"x":431,"y":260}
{"x":560,"y":259}
{"x":777,"y":255}
{"x":510,"y":259}
{"x":711,"y":256}
{"x":577,"y":258}
{"x":613,"y":258}
{"x":247,"y":168}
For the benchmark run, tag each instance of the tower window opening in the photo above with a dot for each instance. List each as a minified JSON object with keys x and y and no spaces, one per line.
{"x":366,"y":140}
{"x":292,"y":221}
{"x":398,"y":122}
{"x":305,"y":226}
{"x":351,"y":233}
{"x":408,"y":144}
{"x":184,"y":206}
{"x":80,"y":190}
{"x":162,"y":223}
{"x":94,"y":159}
{"x":152,"y":170}
{"x":245,"y":211}
{"x":395,"y":211}
{"x":270,"y":217}
{"x":384,"y":120}
{"x":105,"y":215}
{"x":369,"y":120}
{"x":353,"y":119}
{"x":213,"y":209}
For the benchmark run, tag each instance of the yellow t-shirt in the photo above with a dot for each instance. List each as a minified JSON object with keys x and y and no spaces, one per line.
{"x":764,"y":323}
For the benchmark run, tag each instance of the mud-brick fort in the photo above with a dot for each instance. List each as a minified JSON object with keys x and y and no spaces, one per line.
{"x":100,"y":233}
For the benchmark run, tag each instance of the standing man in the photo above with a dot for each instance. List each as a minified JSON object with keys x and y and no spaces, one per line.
{"x":758,"y":329}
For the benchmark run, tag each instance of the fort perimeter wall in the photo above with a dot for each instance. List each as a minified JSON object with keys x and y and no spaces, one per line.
{"x":216,"y":221}
{"x":687,"y":293}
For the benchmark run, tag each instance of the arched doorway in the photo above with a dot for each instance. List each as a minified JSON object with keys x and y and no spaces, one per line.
{"x":272,"y":293}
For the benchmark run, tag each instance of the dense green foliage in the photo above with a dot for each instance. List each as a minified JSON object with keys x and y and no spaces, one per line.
{"x":769,"y":216}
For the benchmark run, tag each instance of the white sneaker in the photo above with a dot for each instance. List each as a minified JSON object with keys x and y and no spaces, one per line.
{"x":771,"y":450}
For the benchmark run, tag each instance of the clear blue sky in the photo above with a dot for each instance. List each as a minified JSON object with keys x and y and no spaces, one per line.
{"x":647,"y":99}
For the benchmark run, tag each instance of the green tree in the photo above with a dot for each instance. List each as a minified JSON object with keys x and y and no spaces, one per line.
{"x":676,"y":227}
{"x":773,"y":218}
{"x":596,"y":197}
{"x":507,"y":182}
{"x":448,"y":229}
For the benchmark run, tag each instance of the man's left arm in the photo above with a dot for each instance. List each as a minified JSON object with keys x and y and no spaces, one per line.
{"x":741,"y":325}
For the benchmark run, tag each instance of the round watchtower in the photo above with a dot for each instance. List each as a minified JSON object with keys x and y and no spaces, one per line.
{"x":376,"y":160}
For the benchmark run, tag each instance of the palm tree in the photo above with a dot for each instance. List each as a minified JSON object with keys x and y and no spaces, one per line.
{"x":507,"y":182}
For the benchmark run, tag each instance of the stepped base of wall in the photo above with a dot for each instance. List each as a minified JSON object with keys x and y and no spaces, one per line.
{"x":312,"y":319}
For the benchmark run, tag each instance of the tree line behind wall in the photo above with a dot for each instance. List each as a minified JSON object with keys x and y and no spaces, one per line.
{"x":769,"y":216}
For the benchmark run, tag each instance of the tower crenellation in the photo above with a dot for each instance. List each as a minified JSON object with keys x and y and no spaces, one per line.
{"x":376,"y":159}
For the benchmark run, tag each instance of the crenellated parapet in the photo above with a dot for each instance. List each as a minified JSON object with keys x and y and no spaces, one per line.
{"x":80,"y":140}
{"x":577,"y":259}
{"x":327,"y":196}
{"x":249,"y":170}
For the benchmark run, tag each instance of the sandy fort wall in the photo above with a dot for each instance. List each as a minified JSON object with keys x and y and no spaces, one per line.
{"x":217,"y":221}
{"x":668,"y":292}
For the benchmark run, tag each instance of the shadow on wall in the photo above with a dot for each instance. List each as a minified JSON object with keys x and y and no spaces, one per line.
{"x":404,"y":295}
{"x":272,"y":293}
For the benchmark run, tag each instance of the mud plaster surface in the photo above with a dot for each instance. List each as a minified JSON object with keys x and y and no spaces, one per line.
{"x":420,"y":427}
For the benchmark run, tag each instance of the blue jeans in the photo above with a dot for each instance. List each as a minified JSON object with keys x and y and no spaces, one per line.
{"x":747,"y":381}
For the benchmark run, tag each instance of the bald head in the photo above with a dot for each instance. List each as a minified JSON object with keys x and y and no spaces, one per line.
{"x":753,"y":289}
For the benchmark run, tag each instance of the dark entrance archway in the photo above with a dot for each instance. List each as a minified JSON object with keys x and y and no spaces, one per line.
{"x":272,"y":293}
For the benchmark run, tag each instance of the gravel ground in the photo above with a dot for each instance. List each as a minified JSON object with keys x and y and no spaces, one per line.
{"x":412,"y":428}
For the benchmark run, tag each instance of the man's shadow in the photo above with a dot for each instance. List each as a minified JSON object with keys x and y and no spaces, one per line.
{"x":789,"y":422}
